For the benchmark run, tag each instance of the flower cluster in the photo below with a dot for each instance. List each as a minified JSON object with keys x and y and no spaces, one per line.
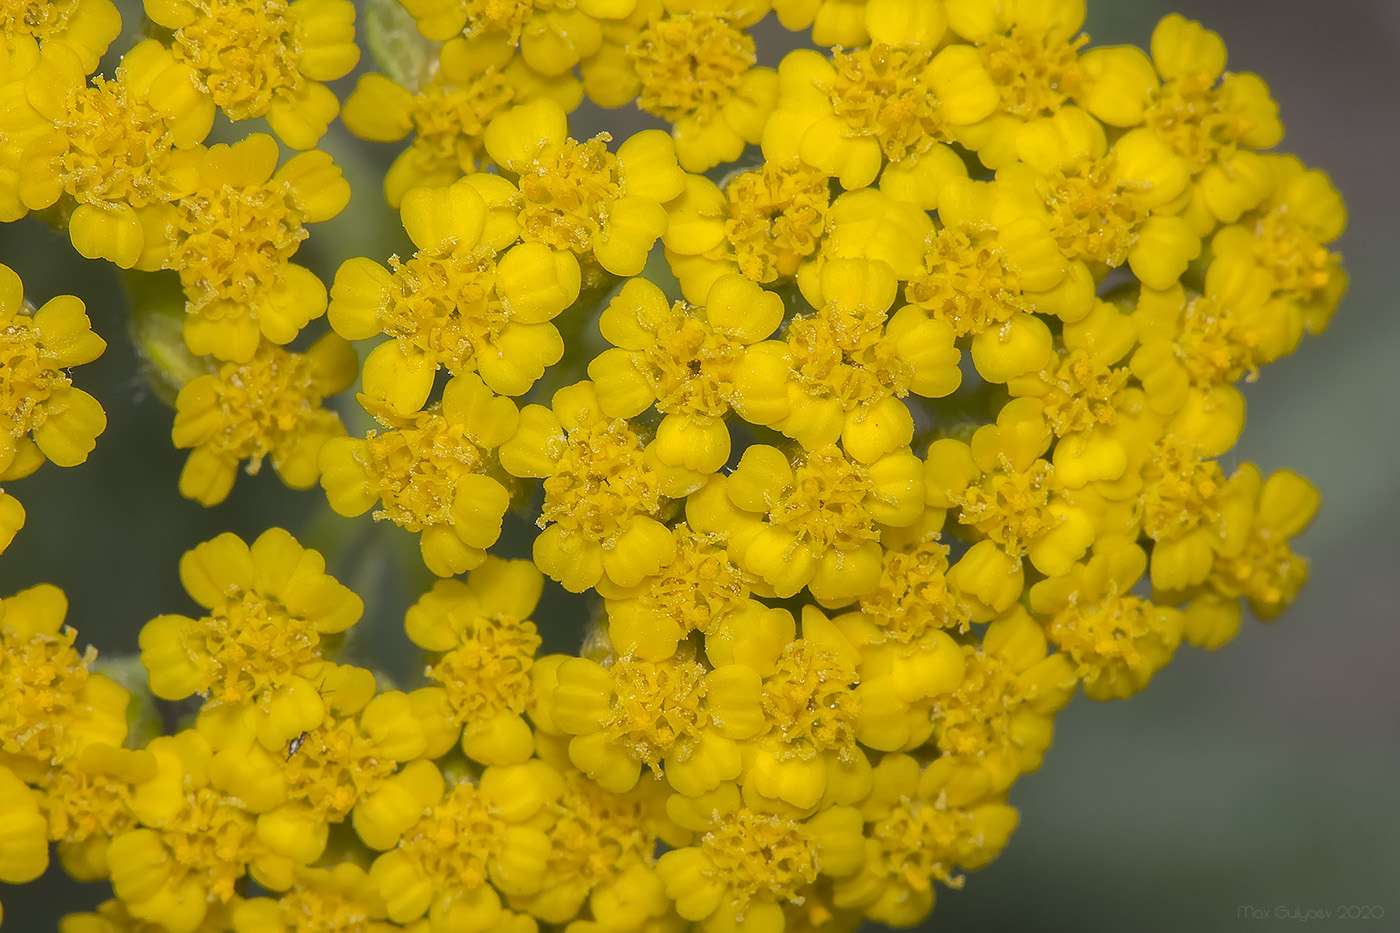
{"x":865,"y":456}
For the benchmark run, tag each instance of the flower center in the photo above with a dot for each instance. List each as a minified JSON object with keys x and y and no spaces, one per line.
{"x":1181,"y":490}
{"x":881,"y":91}
{"x":233,"y":242}
{"x":1034,"y":72}
{"x":265,"y":402}
{"x":1215,"y":345}
{"x":691,"y":364}
{"x":254,"y":645}
{"x":690,"y":65}
{"x":508,"y":16}
{"x":26,"y":378}
{"x":1299,"y":264}
{"x":777,"y":214}
{"x":39,"y":683}
{"x":701,"y":584}
{"x":656,"y":705}
{"x":316,"y":908}
{"x":913,"y":596}
{"x":760,"y":852}
{"x":449,"y":120}
{"x":809,"y":700}
{"x":445,"y":303}
{"x":1108,"y":633}
{"x":567,"y":196}
{"x":825,"y":505}
{"x":1083,"y":393}
{"x":209,"y":840}
{"x":600,"y":483}
{"x":244,"y":53}
{"x":975,"y":719}
{"x":926,"y":841}
{"x":1009,"y":507}
{"x":1093,"y":214}
{"x":118,"y":149}
{"x":451,"y":846}
{"x":964,"y":283}
{"x":597,"y":834}
{"x":334,"y":767}
{"x":841,"y":352}
{"x":418,"y":468}
{"x":38,"y":18}
{"x":490,"y":670}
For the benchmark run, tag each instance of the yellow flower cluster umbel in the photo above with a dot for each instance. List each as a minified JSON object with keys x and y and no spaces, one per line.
{"x":872,"y":410}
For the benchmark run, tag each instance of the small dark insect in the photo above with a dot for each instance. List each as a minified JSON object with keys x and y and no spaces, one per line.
{"x":294,"y":745}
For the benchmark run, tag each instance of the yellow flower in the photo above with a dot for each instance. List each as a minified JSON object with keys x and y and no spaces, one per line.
{"x":260,"y":644}
{"x":683,"y":358}
{"x":746,"y":862}
{"x":997,"y":723}
{"x":914,"y":595}
{"x":432,"y":472}
{"x":841,"y":372}
{"x":579,"y":196}
{"x":87,"y":801}
{"x":764,"y":223}
{"x":1006,"y":493}
{"x":24,"y":848}
{"x":50,"y":705}
{"x":474,"y":843}
{"x":463,"y":302}
{"x":86,"y":27}
{"x":603,"y":492}
{"x":1214,"y":338}
{"x":270,"y":406}
{"x":922,"y":827}
{"x":967,"y":280}
{"x":482,"y":646}
{"x":1262,"y":567}
{"x":449,"y":113}
{"x":602,"y":847}
{"x":805,"y":753}
{"x":898,"y":680}
{"x":696,"y":70}
{"x":266,"y":59}
{"x":635,"y":900}
{"x":347,"y":764}
{"x":639,"y":712}
{"x":1288,"y":238}
{"x":1103,"y":205}
{"x":854,"y":113}
{"x":230,"y":240}
{"x":1211,"y":118}
{"x":695,"y":592}
{"x":115,"y":148}
{"x":1116,"y":640}
{"x":193,"y":846}
{"x":42,"y":416}
{"x":341,"y":897}
{"x":1190,"y":511}
{"x":1033,"y":56}
{"x":810,"y":519}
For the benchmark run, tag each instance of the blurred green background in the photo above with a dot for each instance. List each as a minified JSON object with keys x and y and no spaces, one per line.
{"x":1243,"y":786}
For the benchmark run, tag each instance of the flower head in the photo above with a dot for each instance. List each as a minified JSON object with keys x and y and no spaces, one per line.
{"x":260,"y":645}
{"x":266,"y":59}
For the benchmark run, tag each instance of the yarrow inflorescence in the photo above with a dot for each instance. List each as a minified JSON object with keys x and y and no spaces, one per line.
{"x":868,"y":411}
